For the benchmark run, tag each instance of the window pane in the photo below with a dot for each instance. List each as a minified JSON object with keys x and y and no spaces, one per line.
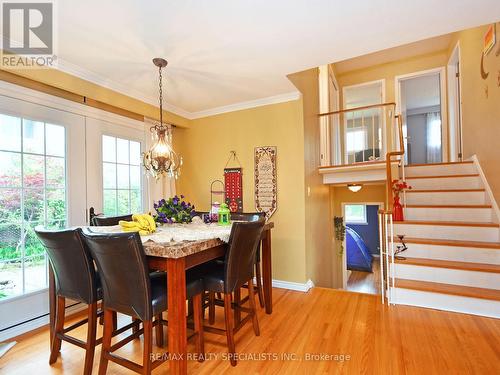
{"x":135,"y":201}
{"x":35,"y":271}
{"x":10,"y":129}
{"x":56,"y":205}
{"x":56,"y":224}
{"x":123,"y":202}
{"x":355,"y":213}
{"x":10,"y":206}
{"x":123,"y":177}
{"x":122,"y":151}
{"x":32,"y":245}
{"x":10,"y":169}
{"x":109,"y":175}
{"x":135,"y":153}
{"x":33,"y":136}
{"x":33,"y":170}
{"x":55,"y":140}
{"x":33,"y":205}
{"x":10,"y":242}
{"x":108,"y":148}
{"x":11,"y":278}
{"x":135,"y":177}
{"x":55,"y":172}
{"x":109,"y":202}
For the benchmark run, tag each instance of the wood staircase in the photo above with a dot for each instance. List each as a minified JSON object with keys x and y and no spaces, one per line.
{"x":452,"y":233}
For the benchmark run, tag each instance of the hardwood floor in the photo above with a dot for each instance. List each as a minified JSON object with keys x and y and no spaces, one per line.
{"x":372,"y":338}
{"x":365,"y":282}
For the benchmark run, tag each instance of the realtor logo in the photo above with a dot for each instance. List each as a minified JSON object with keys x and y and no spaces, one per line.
{"x":28,"y":34}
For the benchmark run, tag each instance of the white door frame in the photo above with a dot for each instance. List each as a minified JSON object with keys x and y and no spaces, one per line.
{"x":382,"y":100}
{"x":444,"y":114}
{"x":345,"y":273}
{"x":327,"y":84}
{"x":455,"y":104}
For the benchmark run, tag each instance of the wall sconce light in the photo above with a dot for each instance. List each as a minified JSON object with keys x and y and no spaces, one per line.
{"x":354,"y":187}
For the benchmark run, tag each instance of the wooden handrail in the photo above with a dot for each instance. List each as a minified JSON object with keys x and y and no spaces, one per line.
{"x":357,"y":109}
{"x":388,"y":168}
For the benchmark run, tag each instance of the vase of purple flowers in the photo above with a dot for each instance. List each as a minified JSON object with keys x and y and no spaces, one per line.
{"x":174,"y":210}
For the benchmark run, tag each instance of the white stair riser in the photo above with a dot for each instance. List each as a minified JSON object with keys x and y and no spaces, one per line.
{"x":446,"y":183}
{"x":440,"y":170}
{"x":456,"y":253}
{"x":448,"y":302}
{"x":476,"y":215}
{"x":450,"y":198}
{"x":488,"y":280}
{"x":448,"y":232}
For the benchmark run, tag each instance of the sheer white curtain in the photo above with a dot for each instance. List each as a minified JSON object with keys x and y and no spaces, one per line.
{"x":433,"y":137}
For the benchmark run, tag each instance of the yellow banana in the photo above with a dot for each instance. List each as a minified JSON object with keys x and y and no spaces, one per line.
{"x":127,"y":224}
{"x":144,"y":232}
{"x":151,"y":222}
{"x":140,"y":219}
{"x":136,"y":229}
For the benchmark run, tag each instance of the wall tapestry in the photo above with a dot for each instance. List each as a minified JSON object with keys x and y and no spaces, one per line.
{"x":233,"y":184}
{"x":265,"y":180}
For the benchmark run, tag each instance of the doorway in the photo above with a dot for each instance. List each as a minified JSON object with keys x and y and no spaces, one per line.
{"x":362,"y":248}
{"x":421,"y":106}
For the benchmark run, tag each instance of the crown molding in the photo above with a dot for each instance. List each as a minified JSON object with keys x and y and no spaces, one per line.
{"x":281,"y":98}
{"x":76,"y":71}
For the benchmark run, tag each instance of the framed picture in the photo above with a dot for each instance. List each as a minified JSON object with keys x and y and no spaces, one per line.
{"x":489,"y":39}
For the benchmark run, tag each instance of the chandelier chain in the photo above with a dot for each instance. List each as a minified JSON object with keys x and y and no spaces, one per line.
{"x":161,"y":96}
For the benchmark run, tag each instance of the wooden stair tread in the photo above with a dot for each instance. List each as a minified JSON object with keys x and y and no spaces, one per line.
{"x":444,"y":163}
{"x":449,"y":206}
{"x":460,"y":243}
{"x":443,"y":176}
{"x":443,"y":190}
{"x":452,"y":264}
{"x":456,"y":290}
{"x":448,"y":223}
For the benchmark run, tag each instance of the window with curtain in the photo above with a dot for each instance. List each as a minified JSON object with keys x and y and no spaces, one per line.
{"x":433,"y":123}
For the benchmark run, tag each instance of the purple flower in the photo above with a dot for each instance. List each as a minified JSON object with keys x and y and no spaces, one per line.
{"x":182,"y":196}
{"x":175,"y":200}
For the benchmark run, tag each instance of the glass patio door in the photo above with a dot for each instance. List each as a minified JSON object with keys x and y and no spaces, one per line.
{"x":42,"y":157}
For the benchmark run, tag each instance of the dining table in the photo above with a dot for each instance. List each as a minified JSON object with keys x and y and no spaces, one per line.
{"x":175,"y":248}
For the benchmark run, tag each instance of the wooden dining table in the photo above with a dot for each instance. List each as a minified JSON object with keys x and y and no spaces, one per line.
{"x":175,"y":257}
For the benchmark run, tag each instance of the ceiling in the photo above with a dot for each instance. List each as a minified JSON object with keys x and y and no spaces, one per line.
{"x":226,"y":52}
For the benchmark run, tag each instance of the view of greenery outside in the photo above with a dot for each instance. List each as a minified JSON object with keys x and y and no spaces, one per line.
{"x":32,"y":193}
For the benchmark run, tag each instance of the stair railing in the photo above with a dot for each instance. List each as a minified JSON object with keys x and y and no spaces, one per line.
{"x":386,"y":224}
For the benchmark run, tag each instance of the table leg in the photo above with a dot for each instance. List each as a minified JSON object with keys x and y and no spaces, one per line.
{"x":177,"y":335}
{"x":52,"y":302}
{"x":267,"y":274}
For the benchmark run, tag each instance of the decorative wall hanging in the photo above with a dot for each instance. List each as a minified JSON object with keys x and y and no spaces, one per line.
{"x":489,"y":39}
{"x":233,"y":184}
{"x":266,"y":180}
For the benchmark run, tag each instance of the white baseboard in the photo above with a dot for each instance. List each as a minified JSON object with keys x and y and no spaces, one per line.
{"x":36,"y":323}
{"x":300,"y":287}
{"x":487,"y":187}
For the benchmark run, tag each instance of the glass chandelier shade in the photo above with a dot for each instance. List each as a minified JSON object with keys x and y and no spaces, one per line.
{"x":161,"y":159}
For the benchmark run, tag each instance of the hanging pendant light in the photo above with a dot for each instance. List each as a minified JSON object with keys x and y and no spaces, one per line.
{"x":161,"y":159}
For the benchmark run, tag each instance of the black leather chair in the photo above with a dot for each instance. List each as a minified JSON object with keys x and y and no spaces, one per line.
{"x":106,"y":221}
{"x":130,"y":289}
{"x":75,"y":278}
{"x":236,"y":271}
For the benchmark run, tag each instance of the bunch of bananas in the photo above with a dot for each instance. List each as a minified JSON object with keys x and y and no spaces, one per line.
{"x":142,"y":223}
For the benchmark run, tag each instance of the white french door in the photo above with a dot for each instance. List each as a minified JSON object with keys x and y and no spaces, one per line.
{"x":42,"y":182}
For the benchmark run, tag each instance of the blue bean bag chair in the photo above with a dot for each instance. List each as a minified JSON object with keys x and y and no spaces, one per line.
{"x":358,"y":255}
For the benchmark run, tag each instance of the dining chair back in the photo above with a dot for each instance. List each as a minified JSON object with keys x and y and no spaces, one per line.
{"x":74,"y":271}
{"x":247,"y":216}
{"x":124,"y":272}
{"x":106,"y":221}
{"x":240,"y":256}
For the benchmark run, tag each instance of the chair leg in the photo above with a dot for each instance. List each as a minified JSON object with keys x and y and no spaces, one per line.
{"x":148,"y":348}
{"x":137,"y":325}
{"x":115,"y":321}
{"x":59,"y":326}
{"x":159,"y":331}
{"x":211,"y":308}
{"x":251,"y":299}
{"x":198,"y":326}
{"x":91,"y":334}
{"x":106,"y":341}
{"x":228,"y":313}
{"x":258,"y":276}
{"x":237,"y":312}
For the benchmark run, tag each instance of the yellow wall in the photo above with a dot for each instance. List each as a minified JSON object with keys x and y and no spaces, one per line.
{"x":318,"y":223}
{"x":82,"y":87}
{"x":205,"y":147}
{"x":481,"y":114}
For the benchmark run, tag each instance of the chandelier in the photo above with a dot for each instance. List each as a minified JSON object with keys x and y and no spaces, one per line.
{"x":161,"y":159}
